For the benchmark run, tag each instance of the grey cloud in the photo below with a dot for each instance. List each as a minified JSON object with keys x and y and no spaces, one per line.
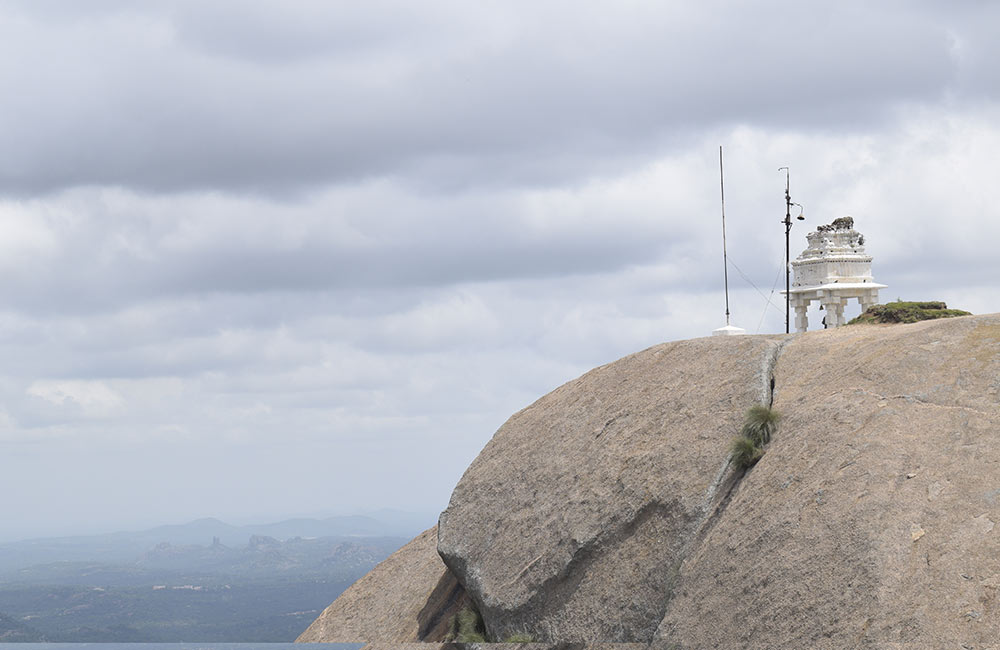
{"x":307,"y":30}
{"x":106,"y":257}
{"x":136,"y":99}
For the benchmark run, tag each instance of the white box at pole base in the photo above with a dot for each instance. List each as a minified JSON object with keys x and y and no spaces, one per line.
{"x":728,"y":330}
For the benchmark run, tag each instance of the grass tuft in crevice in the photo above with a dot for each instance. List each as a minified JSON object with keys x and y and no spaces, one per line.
{"x":759,"y":425}
{"x":744,"y":452}
{"x":467,"y":627}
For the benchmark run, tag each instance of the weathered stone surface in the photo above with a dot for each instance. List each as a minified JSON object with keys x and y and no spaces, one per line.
{"x":571,"y":523}
{"x":409,"y":597}
{"x":870,"y":521}
{"x":505,"y":646}
{"x":606,"y":508}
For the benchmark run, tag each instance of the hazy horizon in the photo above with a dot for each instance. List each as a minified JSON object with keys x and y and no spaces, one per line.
{"x":383,"y":515}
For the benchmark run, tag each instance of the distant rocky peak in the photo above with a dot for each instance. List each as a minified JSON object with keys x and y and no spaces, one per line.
{"x":263,"y":543}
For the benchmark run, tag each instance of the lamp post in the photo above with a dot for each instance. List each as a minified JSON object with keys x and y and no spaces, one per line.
{"x":788,"y":229}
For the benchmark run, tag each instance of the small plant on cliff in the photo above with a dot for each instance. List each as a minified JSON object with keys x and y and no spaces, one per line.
{"x":745,"y":452}
{"x":467,"y":627}
{"x":760,"y":423}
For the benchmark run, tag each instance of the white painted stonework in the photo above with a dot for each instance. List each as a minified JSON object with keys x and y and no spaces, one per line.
{"x":833,"y":269}
{"x":729,"y":330}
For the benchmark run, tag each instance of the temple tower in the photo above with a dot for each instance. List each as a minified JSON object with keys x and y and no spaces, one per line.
{"x":832,"y":269}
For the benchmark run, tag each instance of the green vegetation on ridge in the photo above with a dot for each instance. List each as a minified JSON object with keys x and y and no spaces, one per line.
{"x":907,"y":312}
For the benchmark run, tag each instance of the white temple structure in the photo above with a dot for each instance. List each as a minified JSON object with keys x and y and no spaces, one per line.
{"x":832,"y":269}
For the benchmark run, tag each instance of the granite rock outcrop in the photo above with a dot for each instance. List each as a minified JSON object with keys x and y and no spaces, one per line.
{"x":605,"y":483}
{"x":608,"y":511}
{"x":409,"y":597}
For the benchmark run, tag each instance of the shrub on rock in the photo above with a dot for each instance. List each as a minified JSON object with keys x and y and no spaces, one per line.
{"x":907,"y":312}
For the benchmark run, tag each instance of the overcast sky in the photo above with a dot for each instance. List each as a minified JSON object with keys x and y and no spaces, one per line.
{"x":304,"y":257}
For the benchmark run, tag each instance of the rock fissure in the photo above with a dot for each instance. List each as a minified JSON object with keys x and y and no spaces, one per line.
{"x":724,"y":484}
{"x":771,"y":366}
{"x":713,"y":513}
{"x":552,"y":595}
{"x":914,"y":399}
{"x":607,"y":425}
{"x":443,"y":603}
{"x":729,"y":483}
{"x":527,"y":566}
{"x":730,"y":476}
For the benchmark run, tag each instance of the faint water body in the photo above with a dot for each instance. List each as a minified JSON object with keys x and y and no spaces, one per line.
{"x":180,"y":646}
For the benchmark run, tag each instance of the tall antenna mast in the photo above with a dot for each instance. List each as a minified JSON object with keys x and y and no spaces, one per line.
{"x":725,"y":259}
{"x":727,"y":330}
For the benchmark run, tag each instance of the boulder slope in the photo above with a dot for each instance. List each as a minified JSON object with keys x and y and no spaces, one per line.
{"x":608,"y":511}
{"x":584,"y":503}
{"x":409,"y":597}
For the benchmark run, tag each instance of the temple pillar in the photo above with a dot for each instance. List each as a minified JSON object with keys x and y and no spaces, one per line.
{"x":801,"y":318}
{"x":867,"y":299}
{"x":831,"y":305}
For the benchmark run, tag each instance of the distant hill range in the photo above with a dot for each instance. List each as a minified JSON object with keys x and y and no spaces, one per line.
{"x":203,"y":581}
{"x":14,"y":631}
{"x":132,"y":546}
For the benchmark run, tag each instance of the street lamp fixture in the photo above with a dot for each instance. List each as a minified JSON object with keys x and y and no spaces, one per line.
{"x":788,"y":229}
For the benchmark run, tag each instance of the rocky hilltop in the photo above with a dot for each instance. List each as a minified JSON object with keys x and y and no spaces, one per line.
{"x":609,"y":512}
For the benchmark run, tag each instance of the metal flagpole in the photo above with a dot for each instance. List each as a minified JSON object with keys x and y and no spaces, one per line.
{"x":788,"y":229}
{"x":725,"y":259}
